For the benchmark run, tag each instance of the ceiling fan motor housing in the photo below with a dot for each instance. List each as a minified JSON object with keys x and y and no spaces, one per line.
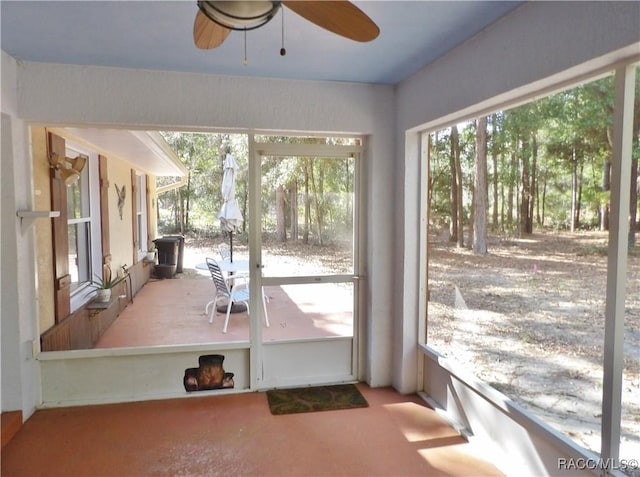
{"x":239,"y":15}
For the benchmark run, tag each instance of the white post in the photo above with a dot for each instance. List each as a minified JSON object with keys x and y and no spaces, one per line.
{"x":255,"y":264}
{"x":617,"y":262}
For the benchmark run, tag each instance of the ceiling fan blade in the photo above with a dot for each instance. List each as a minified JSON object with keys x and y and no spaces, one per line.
{"x":207,"y":34}
{"x":341,"y":17}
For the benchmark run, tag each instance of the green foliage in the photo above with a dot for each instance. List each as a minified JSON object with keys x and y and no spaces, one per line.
{"x":572,"y":131}
{"x":195,"y":207}
{"x":107,"y":281}
{"x":319,"y":189}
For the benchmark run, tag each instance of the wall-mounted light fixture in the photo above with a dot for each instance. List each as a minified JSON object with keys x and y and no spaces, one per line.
{"x":68,"y":169}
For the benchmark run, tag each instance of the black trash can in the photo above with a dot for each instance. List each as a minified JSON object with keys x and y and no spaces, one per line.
{"x":180,"y":259}
{"x":167,"y":256}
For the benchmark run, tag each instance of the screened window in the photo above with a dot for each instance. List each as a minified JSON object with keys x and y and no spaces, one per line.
{"x":518,"y":248}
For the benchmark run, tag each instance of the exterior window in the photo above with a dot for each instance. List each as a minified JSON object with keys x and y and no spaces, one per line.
{"x":83,"y":228}
{"x":141,"y":214}
{"x":79,"y":229}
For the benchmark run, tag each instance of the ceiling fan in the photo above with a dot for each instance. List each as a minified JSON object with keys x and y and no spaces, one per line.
{"x":215,"y":19}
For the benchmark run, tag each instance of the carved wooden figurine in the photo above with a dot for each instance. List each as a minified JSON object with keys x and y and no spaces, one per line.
{"x":122,"y":194}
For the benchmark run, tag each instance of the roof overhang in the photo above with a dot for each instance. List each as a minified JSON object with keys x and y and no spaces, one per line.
{"x":146,"y":150}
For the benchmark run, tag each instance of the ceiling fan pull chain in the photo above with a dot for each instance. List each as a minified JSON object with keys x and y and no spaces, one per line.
{"x":283,"y":51}
{"x":245,"y":62}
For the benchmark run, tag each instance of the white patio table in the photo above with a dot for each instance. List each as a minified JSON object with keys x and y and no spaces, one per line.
{"x":236,"y":267}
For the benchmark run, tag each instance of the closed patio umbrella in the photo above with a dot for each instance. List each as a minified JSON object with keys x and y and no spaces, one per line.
{"x":230,"y":215}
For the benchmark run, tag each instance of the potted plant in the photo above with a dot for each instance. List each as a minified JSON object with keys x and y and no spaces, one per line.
{"x":151,"y":253}
{"x":105,"y":284}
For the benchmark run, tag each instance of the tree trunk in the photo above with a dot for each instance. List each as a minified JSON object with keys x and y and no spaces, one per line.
{"x":579,"y":199}
{"x":544,"y":198}
{"x":471,"y":218}
{"x":180,"y":212}
{"x":525,"y":189}
{"x":460,"y":213}
{"x":536,"y":200}
{"x":532,"y":189}
{"x":316,"y":201}
{"x":453,"y":226}
{"x":307,"y":203}
{"x":606,"y":175}
{"x":293,"y":201}
{"x":245,"y":199}
{"x":176,"y":209}
{"x":281,"y":228}
{"x":480,"y":190}
{"x":186,"y":211}
{"x":512,"y":185}
{"x":604,"y":217}
{"x":633,"y":203}
{"x":606,"y":185}
{"x":574,"y":190}
{"x":502,"y":206}
{"x":430,"y":170}
{"x":494,"y":181}
{"x":349,"y":194}
{"x":430,"y":161}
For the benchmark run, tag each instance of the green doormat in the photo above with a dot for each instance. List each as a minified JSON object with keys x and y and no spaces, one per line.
{"x":317,"y":398}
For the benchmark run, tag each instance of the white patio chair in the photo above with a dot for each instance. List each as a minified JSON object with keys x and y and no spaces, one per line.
{"x":225,"y":251}
{"x":239,"y":292}
{"x":225,"y":255}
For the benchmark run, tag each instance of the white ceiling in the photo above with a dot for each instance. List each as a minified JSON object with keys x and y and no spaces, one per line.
{"x":158,"y":35}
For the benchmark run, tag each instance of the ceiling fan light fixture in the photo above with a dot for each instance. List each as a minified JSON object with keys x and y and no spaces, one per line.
{"x":239,"y":15}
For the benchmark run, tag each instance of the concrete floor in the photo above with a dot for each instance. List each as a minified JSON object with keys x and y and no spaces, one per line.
{"x":236,"y":435}
{"x":171,"y":312}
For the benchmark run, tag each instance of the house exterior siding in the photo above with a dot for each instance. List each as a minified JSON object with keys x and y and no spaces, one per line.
{"x":121,"y":249}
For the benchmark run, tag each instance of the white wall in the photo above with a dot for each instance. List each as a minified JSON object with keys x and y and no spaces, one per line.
{"x":77,"y":95}
{"x":535,"y":42}
{"x":53,"y":93}
{"x":20,"y":373}
{"x":516,"y":442}
{"x":131,"y":374}
{"x":538,"y":44}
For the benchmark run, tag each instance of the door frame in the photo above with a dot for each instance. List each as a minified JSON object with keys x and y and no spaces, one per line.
{"x":257,"y":151}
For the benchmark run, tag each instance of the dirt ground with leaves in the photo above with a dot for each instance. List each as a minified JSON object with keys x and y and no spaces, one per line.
{"x":528,"y":318}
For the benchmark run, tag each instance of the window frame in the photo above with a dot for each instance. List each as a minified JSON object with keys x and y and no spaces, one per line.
{"x":91,"y":194}
{"x":141,"y":212}
{"x":416,"y":147}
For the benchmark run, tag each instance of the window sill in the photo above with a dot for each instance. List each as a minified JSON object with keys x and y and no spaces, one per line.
{"x":103,"y":305}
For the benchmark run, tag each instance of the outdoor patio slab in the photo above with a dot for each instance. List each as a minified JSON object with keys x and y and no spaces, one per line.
{"x":172,"y":312}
